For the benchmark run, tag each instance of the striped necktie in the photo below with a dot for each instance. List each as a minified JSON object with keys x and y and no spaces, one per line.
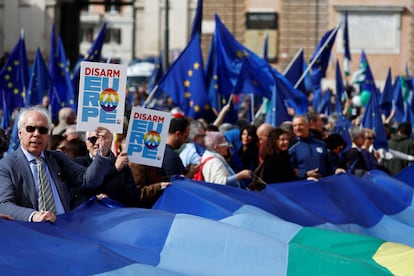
{"x":46,"y":201}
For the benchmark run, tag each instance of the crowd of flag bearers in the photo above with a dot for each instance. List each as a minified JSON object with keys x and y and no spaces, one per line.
{"x":237,"y":122}
{"x":245,"y":88}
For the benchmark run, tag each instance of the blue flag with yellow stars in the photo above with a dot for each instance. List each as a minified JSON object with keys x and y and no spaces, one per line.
{"x":230,"y":56}
{"x":94,"y":54}
{"x":40,"y":82}
{"x":63,"y":95}
{"x":184,"y":81}
{"x":14,"y":78}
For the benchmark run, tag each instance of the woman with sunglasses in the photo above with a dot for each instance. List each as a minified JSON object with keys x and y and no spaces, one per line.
{"x":371,"y":155}
{"x":213,"y":164}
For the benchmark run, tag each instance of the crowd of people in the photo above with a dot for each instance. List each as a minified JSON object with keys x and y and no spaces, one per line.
{"x":56,"y":168}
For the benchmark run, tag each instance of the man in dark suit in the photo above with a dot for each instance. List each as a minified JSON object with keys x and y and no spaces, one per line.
{"x":118,"y":183}
{"x":20,"y":177}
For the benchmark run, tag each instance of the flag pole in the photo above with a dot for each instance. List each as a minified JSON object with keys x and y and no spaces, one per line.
{"x":292,"y":61}
{"x":150,"y":96}
{"x":252,"y":107}
{"x":317,"y":55}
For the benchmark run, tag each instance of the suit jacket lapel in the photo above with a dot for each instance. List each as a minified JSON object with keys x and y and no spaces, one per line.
{"x":23,"y":167}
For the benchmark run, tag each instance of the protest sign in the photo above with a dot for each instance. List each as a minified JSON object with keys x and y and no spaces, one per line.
{"x":102,"y":90}
{"x":146,"y":137}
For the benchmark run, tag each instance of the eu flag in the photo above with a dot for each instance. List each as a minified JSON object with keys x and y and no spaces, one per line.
{"x":184,"y":82}
{"x":386,"y":97}
{"x":198,"y":18}
{"x":325,"y":106}
{"x":14,"y":137}
{"x":321,"y":55}
{"x":229,"y":58}
{"x":342,"y":124}
{"x":319,"y":63}
{"x":157,"y":73}
{"x":255,"y":78}
{"x":212,"y":77}
{"x":277,"y":112}
{"x":14,"y":77}
{"x":95,"y":51}
{"x":398,"y":101}
{"x":295,"y":71}
{"x":372,"y":118}
{"x":291,"y":96}
{"x":63,"y":95}
{"x":40,"y":82}
{"x":94,"y":54}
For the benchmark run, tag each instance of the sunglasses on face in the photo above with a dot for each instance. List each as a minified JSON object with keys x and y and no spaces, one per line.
{"x":93,"y":139}
{"x":41,"y":129}
{"x":226,"y":144}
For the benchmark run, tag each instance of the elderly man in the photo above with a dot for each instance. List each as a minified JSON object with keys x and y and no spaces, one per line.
{"x":356,"y":157}
{"x":67,"y":117}
{"x":315,"y":124}
{"x":35,"y":183}
{"x":309,"y":155}
{"x":194,"y":149}
{"x":118,"y":183}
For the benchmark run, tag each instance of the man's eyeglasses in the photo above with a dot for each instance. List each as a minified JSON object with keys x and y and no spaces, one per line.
{"x":370,"y":138}
{"x":226,"y":144}
{"x":93,"y":139}
{"x":41,"y":129}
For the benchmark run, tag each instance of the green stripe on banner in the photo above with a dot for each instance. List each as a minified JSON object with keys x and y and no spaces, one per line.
{"x":316,"y":251}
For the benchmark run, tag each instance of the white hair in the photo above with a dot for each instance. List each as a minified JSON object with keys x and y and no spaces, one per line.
{"x":212,"y":139}
{"x":37,"y":108}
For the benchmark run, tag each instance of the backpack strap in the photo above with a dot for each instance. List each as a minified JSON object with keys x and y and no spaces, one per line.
{"x":205,"y":161}
{"x":199,"y":174}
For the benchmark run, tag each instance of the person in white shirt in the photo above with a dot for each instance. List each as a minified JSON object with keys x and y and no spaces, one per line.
{"x":215,"y":168}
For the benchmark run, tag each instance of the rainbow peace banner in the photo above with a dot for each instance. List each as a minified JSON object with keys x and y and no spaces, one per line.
{"x":340,"y":225}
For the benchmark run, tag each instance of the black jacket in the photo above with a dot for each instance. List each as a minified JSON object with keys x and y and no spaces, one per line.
{"x":119,"y":186}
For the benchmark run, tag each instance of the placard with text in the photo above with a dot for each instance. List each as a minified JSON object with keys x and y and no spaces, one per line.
{"x":147,"y":135}
{"x":102,"y":91}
